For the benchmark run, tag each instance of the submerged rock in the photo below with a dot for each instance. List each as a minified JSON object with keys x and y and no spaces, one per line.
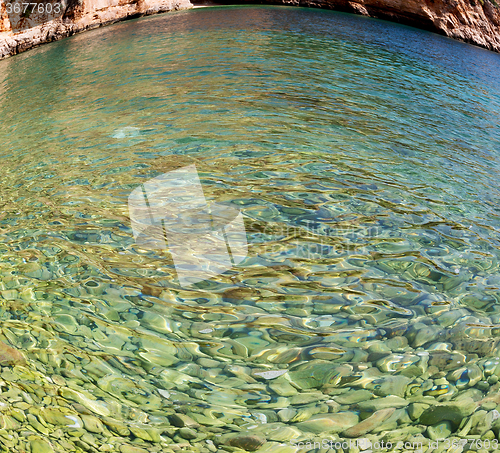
{"x":415,"y":410}
{"x":389,"y":385}
{"x":383,"y":403}
{"x":440,"y":430}
{"x":181,"y":421}
{"x":316,"y":374}
{"x":352,"y":397}
{"x":10,"y":356}
{"x":131,"y":449}
{"x":369,"y":424}
{"x":246,"y":442}
{"x":453,"y":411}
{"x":329,"y":423}
{"x":41,"y":446}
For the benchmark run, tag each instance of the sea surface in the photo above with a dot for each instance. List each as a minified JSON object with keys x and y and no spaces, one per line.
{"x":363,"y":157}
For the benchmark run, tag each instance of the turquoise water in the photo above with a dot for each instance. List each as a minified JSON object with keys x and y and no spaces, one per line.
{"x":363,"y":156}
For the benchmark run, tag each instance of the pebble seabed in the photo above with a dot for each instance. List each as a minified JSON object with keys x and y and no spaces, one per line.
{"x":222,"y":390}
{"x":391,"y":337}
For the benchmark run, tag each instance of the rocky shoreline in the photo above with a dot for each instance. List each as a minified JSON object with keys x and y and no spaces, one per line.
{"x":473,"y":22}
{"x":76,"y":18}
{"x":469,"y":21}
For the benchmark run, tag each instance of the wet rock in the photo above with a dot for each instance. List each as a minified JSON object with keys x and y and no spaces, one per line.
{"x":315,"y":374}
{"x":269,"y":374}
{"x":415,"y":410}
{"x":287,"y":414}
{"x":131,"y":449}
{"x":353,"y":397}
{"x":377,"y":350}
{"x":390,"y":385}
{"x":116,"y":427}
{"x":10,"y":356}
{"x":329,"y":423}
{"x":446,"y":361}
{"x":396,"y":435}
{"x":187,"y":433}
{"x":18,"y":415}
{"x":440,"y":430}
{"x":306,"y":398}
{"x":92,"y":424}
{"x":397,"y":343}
{"x":382,"y":403}
{"x":496,"y":427}
{"x":33,"y":421}
{"x":149,"y":434}
{"x":40,"y":446}
{"x":208,"y":363}
{"x":492,"y":380}
{"x":482,"y":421}
{"x":453,"y":411}
{"x":181,"y":421}
{"x":465,"y":377}
{"x":332,"y":406}
{"x":283,"y":388}
{"x":56,"y":417}
{"x":246,"y":442}
{"x":369,"y":424}
{"x":278,"y":432}
{"x":424,"y":334}
{"x":391,"y":422}
{"x":483,"y":385}
{"x":489,"y":406}
{"x":305,"y":413}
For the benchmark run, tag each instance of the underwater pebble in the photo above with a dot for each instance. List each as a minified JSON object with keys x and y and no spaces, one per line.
{"x":187,"y":433}
{"x":369,"y":424}
{"x":353,"y":396}
{"x":92,"y":424}
{"x":40,"y":446}
{"x":10,"y":355}
{"x":382,"y":403}
{"x":453,"y":411}
{"x":329,"y":423}
{"x":440,"y":430}
{"x":246,"y":442}
{"x":126,"y":448}
{"x":181,"y":421}
{"x":415,"y":410}
{"x":287,"y":414}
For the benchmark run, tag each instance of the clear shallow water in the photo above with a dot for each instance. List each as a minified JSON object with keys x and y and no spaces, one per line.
{"x":364,"y":157}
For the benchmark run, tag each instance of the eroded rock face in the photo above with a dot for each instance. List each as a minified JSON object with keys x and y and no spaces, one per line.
{"x":19,"y":32}
{"x":473,"y":21}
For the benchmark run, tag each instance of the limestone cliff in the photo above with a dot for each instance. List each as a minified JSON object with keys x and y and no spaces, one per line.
{"x":23,"y":27}
{"x":472,"y":21}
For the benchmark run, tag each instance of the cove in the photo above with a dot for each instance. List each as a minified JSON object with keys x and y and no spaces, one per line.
{"x":363,"y":158}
